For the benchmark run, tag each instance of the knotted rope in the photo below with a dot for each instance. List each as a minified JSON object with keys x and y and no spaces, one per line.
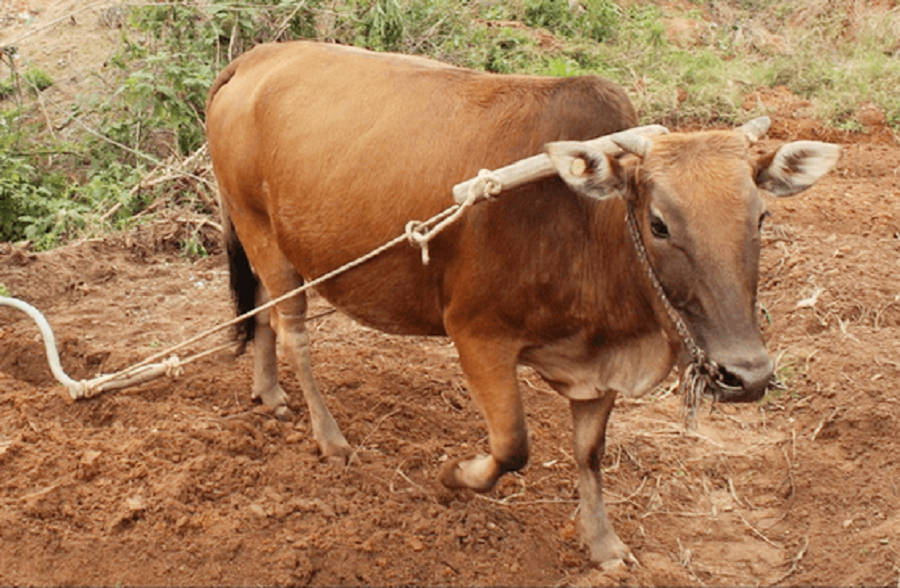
{"x":418,"y":233}
{"x":487,"y":185}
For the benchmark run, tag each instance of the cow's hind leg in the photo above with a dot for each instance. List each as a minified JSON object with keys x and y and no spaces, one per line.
{"x":293,"y":336}
{"x":288,"y":318}
{"x":490,"y":369}
{"x":265,"y":365}
{"x":590,"y":418}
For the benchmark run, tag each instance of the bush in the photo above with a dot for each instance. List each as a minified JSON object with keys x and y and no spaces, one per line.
{"x":596,"y":19}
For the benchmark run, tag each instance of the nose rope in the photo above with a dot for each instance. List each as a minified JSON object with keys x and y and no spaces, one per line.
{"x":701,"y":374}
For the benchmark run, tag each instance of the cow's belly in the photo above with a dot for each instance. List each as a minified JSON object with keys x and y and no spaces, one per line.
{"x":389,"y":293}
{"x":631,"y":368}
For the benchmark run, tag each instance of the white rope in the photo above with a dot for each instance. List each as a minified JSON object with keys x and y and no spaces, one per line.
{"x":486,"y":185}
{"x":416,"y":233}
{"x":49,"y":340}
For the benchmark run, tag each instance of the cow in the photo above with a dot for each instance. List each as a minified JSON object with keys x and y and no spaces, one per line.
{"x":323,"y":152}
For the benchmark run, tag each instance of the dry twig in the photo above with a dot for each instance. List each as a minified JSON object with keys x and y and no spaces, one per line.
{"x":822,"y":423}
{"x":757,"y":532}
{"x":621,"y":499}
{"x":366,"y":438}
{"x":794,"y":565}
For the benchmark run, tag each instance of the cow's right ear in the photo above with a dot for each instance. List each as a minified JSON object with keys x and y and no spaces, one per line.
{"x":586,"y":169}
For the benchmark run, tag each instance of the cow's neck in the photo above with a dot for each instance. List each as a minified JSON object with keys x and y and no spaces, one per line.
{"x":620,"y":344}
{"x":618,"y":290}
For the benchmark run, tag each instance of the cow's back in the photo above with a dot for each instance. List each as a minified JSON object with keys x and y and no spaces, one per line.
{"x":339,"y":148}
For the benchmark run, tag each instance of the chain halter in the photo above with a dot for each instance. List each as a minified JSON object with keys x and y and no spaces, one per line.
{"x":701,"y":374}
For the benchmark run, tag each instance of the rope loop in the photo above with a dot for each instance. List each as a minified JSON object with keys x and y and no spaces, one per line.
{"x":486,"y":185}
{"x":417,"y":235}
{"x":701,"y":374}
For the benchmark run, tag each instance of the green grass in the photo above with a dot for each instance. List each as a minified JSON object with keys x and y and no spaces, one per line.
{"x":34,"y":80}
{"x":57,"y":185}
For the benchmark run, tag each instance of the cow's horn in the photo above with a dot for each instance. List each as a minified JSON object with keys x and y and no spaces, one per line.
{"x":632,"y":143}
{"x":756,"y":128}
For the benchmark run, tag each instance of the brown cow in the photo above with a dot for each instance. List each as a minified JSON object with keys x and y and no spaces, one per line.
{"x":323,"y":152}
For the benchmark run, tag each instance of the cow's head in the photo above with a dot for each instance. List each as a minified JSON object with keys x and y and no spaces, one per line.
{"x":699,"y":212}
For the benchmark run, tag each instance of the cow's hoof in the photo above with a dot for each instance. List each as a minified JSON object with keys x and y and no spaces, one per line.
{"x":609,"y":552}
{"x":336,"y":453}
{"x":478,"y":473}
{"x":273,"y":396}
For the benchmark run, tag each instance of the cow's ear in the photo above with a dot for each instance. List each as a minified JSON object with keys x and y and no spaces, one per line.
{"x":796,"y":166}
{"x":586,"y":169}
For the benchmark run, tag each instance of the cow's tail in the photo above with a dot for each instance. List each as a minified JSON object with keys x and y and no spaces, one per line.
{"x":223,"y":78}
{"x":244,"y":283}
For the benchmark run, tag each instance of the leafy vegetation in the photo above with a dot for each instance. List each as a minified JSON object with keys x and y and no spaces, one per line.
{"x":134,"y":146}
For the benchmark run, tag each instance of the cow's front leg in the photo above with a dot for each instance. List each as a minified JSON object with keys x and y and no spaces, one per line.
{"x":590,"y":418}
{"x":490,"y":369}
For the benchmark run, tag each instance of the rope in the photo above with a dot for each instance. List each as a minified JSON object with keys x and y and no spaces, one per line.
{"x":701,"y":373}
{"x":416,"y":232}
{"x":486,"y":186}
{"x":47,"y":334}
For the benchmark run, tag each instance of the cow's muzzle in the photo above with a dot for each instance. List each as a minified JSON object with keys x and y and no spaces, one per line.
{"x":744,"y":381}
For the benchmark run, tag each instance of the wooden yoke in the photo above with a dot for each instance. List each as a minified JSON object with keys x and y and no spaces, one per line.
{"x":539,"y":166}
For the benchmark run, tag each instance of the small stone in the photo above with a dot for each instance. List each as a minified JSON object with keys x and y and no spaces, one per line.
{"x":415,"y":544}
{"x":135,"y":503}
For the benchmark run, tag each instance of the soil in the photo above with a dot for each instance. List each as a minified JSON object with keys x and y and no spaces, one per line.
{"x":185,"y":481}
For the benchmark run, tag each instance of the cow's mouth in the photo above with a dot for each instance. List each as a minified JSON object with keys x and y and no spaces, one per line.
{"x":707,"y":378}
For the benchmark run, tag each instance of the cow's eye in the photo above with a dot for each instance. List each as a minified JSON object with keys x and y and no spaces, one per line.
{"x":658,"y":227}
{"x":762,"y":218}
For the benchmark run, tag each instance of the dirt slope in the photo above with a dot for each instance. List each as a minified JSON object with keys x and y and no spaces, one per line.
{"x":186,"y":482}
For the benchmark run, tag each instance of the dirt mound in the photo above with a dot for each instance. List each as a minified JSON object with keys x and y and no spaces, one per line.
{"x":187,"y":482}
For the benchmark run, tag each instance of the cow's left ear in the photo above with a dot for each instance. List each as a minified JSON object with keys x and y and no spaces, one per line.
{"x":796,"y":166}
{"x":586,"y":169}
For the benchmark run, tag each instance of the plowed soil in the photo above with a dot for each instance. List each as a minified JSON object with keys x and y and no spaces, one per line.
{"x":186,"y":482}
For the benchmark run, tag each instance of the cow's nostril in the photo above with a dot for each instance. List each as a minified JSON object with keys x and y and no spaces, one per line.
{"x":729,"y":380}
{"x":744,"y":382}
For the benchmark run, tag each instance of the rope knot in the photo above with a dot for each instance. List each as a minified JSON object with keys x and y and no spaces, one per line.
{"x":418,"y":233}
{"x":173,"y":367}
{"x":80,"y":389}
{"x":418,"y":236}
{"x":698,"y":378}
{"x":486,"y":185}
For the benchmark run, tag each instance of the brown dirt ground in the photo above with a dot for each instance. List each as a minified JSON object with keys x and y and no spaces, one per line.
{"x":186,"y":482}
